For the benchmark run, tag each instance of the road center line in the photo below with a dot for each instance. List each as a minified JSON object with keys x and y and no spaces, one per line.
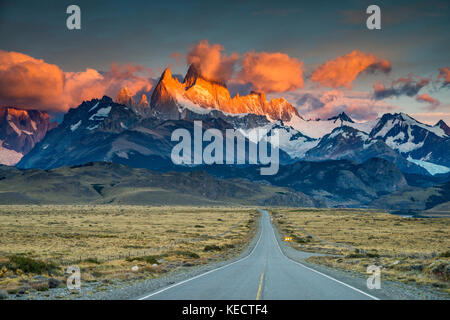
{"x":261,"y":281}
{"x":258,"y":295}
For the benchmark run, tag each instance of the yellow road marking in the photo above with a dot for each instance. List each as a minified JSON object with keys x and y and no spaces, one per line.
{"x":258,"y":295}
{"x":261,"y":280}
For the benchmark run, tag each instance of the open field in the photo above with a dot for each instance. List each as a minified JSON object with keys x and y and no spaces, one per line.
{"x":410,"y":250}
{"x":106,"y":241}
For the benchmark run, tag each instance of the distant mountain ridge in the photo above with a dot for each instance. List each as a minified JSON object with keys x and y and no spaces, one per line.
{"x":104,"y":130}
{"x":441,"y":124}
{"x":112,"y":183}
{"x":138,"y":133}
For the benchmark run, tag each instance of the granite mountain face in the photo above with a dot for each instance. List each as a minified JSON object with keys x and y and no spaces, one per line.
{"x":20,"y":130}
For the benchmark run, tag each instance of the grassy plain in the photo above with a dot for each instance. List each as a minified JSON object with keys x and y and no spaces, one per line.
{"x":414,"y":250}
{"x":107,"y":241}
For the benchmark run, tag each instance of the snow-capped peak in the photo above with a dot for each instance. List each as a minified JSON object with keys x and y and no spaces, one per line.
{"x":343,"y":117}
{"x":170,"y":96}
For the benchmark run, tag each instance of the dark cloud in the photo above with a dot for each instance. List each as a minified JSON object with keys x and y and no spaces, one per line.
{"x":409,"y":86}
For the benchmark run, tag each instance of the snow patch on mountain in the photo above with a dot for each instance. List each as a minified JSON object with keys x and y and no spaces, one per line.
{"x":319,"y":128}
{"x":9,"y":157}
{"x":92,"y":127}
{"x":412,"y":122}
{"x":184,"y":103}
{"x":95,"y":106}
{"x":397,"y":142}
{"x":101,"y":113}
{"x":14,"y":127}
{"x":75,"y":126}
{"x":291,"y":141}
{"x":432,"y":168}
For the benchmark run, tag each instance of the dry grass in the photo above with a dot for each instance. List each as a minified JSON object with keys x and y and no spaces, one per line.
{"x":407,"y":249}
{"x":105,"y":240}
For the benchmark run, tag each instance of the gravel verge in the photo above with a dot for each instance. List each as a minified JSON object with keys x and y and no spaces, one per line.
{"x":390,"y":290}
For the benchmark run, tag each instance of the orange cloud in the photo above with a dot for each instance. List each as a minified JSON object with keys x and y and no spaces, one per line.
{"x":271,"y":72}
{"x":25,"y":80}
{"x":32,"y":83}
{"x":342,"y":71}
{"x":444,"y":73}
{"x":210,"y":60}
{"x":84,"y":85}
{"x":434,"y":103}
{"x":261,"y":71}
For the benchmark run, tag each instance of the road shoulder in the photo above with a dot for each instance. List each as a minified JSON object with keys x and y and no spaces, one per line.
{"x":390,"y":290}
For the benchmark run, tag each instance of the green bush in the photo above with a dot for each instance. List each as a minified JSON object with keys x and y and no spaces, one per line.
{"x":300,"y":239}
{"x":147,"y":259}
{"x":29,"y":265}
{"x":188,"y":254}
{"x":92,"y":260}
{"x":363,"y":255}
{"x":212,"y":247}
{"x":445,"y":254}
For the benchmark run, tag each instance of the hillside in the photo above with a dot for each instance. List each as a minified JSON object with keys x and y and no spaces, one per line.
{"x":108,"y":183}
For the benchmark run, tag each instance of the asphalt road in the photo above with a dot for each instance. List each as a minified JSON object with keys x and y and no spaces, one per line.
{"x":266,"y":273}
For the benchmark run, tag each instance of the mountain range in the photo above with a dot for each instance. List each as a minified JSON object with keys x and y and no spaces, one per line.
{"x":137,"y":133}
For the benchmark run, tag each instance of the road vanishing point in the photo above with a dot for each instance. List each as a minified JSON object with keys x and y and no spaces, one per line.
{"x":265,"y":273}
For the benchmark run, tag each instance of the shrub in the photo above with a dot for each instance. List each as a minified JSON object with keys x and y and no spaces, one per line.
{"x":41,"y":286}
{"x":212,"y":247}
{"x":147,"y":259}
{"x":186,"y":253}
{"x":300,"y":239}
{"x":363,"y":255}
{"x":29,"y":265}
{"x":92,"y":260}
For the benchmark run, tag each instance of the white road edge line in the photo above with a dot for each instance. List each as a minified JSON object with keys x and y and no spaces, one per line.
{"x":210,"y":271}
{"x":318,"y":272}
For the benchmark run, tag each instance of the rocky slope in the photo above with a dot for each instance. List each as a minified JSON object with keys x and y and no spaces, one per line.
{"x":20,"y":130}
{"x":333,"y":182}
{"x":171,"y":97}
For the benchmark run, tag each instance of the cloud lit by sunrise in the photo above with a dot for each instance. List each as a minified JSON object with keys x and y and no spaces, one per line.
{"x":342,"y":71}
{"x":211,"y":61}
{"x":26,"y":81}
{"x":425,"y":97}
{"x":33,"y":83}
{"x":271,"y":72}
